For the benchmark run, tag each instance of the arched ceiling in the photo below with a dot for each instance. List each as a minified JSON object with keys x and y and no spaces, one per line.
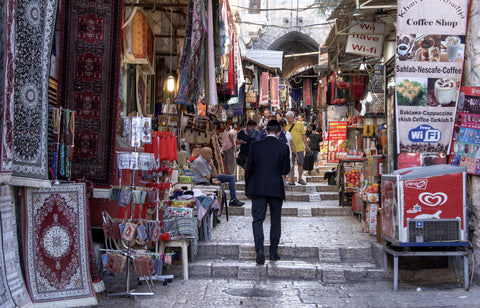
{"x":296,"y":43}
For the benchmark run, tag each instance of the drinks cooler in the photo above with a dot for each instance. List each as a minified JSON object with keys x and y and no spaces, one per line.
{"x":425,"y":206}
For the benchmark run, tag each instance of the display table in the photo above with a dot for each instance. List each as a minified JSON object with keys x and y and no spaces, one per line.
{"x":397,"y":252}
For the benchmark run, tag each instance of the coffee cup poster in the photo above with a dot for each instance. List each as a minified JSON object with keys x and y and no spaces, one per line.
{"x":465,"y":150}
{"x":430,"y":46}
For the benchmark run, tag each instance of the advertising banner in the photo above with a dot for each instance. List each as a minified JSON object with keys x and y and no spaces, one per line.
{"x":337,"y":135}
{"x":366,"y":38}
{"x":466,"y":137}
{"x":428,"y":69}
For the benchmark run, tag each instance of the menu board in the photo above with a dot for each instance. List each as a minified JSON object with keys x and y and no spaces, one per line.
{"x":337,"y":135}
{"x":428,"y":70}
{"x":466,"y":137}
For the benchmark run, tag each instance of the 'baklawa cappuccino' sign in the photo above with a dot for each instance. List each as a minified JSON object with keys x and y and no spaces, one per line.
{"x":428,"y":69}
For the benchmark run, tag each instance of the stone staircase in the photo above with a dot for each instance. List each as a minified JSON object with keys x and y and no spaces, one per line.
{"x":320,"y":241}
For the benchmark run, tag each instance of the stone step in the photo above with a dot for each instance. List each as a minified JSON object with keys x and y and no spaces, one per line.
{"x":295,"y":211}
{"x":292,"y":270}
{"x":297,"y":196}
{"x":243,"y":252}
{"x":309,"y":188}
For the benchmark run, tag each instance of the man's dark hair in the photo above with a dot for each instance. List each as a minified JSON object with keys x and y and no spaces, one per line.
{"x":273,"y":127}
{"x":282,"y":122}
{"x":251,"y":123}
{"x":319,"y":129}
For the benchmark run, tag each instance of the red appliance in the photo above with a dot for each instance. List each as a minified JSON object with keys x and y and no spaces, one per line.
{"x":425,"y":206}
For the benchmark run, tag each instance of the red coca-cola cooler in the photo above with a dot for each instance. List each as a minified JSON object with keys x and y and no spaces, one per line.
{"x":425,"y":206}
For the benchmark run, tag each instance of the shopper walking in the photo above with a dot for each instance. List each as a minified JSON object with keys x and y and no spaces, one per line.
{"x":264,"y":120}
{"x":267,"y":163}
{"x":300,"y":141}
{"x":244,"y":138}
{"x":314,"y":141}
{"x":291,"y":148}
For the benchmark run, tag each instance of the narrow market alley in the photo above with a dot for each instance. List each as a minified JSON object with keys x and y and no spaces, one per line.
{"x":327,"y":260}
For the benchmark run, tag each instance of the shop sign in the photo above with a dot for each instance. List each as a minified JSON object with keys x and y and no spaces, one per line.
{"x":465,"y":150}
{"x":337,"y":135}
{"x":366,"y":38}
{"x":430,"y":48}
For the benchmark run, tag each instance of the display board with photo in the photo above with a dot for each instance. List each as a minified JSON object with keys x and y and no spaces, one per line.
{"x":428,"y":70}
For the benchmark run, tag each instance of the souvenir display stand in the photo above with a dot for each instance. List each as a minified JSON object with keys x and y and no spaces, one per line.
{"x":369,"y":193}
{"x":130,"y":241}
{"x":348,"y":179}
{"x":127,"y":250}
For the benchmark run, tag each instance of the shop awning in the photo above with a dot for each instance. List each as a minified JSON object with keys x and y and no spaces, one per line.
{"x":272,"y":59}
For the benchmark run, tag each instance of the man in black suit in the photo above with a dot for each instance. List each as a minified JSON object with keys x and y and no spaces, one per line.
{"x":268,"y":160}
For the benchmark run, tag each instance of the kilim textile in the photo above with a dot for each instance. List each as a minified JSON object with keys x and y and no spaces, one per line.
{"x":34,"y":24}
{"x":56,"y":245}
{"x":89,"y":80}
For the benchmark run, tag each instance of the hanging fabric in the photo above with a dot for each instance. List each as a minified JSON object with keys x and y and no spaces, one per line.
{"x":264,"y":90}
{"x":274,"y":91}
{"x":212,"y":86}
{"x":307,"y":93}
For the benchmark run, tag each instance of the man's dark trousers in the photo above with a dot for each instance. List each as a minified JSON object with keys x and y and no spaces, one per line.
{"x":259,"y":210}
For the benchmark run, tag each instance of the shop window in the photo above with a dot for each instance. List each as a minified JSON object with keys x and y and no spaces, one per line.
{"x":255,"y":6}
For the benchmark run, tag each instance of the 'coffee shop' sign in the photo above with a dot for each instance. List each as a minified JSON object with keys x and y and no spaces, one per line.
{"x":366,"y":38}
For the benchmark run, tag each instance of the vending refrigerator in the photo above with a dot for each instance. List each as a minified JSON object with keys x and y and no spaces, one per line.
{"x":425,"y":206}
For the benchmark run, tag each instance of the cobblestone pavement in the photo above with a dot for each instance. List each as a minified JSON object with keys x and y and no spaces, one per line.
{"x":280,"y":293}
{"x":317,"y":231}
{"x":311,"y":231}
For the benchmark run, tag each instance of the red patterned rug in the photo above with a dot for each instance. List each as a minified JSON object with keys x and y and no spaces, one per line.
{"x":90,"y":43}
{"x":56,"y":245}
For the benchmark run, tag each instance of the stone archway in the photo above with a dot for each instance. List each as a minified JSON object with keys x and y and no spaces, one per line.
{"x":296,"y":42}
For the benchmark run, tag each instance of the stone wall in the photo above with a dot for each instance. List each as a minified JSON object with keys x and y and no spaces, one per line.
{"x":261,"y":30}
{"x":472,"y":79}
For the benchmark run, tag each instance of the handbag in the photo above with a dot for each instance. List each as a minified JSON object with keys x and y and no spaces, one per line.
{"x":308,"y":161}
{"x":250,"y":97}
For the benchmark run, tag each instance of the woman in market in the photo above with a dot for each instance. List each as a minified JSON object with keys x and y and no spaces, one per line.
{"x":229,"y":146}
{"x":244,"y":138}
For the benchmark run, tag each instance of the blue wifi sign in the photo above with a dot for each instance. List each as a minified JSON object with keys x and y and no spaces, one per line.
{"x":424,"y":133}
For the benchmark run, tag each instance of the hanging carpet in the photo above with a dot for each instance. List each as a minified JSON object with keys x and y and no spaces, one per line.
{"x":56,"y":246}
{"x":89,"y":81}
{"x":10,"y":259}
{"x":34,"y":26}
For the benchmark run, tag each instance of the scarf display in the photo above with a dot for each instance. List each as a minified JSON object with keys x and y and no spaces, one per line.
{"x":264,"y":89}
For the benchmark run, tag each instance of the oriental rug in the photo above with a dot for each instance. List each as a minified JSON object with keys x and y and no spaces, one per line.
{"x":56,"y":245}
{"x":10,"y":258}
{"x":34,"y":28}
{"x":90,"y":38}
